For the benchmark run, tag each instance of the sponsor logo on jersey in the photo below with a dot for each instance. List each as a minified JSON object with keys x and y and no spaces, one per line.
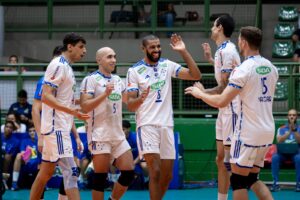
{"x":263,"y":70}
{"x":158,"y":85}
{"x":164,"y":65}
{"x":114,"y":97}
{"x":98,"y":78}
{"x":141,"y":70}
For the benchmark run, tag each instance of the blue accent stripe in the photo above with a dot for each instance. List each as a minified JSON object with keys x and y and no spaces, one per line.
{"x":50,"y":84}
{"x":132,"y":89}
{"x":234,"y":85}
{"x":177,"y":71}
{"x":237,"y":149}
{"x":49,"y":161}
{"x":226,"y":70}
{"x":140,"y":138}
{"x":241,"y":166}
{"x":257,"y":146}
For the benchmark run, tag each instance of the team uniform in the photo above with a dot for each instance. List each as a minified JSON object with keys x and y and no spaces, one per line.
{"x":10,"y":145}
{"x":154,"y":118}
{"x":56,"y":125}
{"x":256,"y":77}
{"x":226,"y":57}
{"x":105,"y":134}
{"x":39,"y":89}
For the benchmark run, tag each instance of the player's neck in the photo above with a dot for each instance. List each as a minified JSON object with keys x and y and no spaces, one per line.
{"x":220,"y":40}
{"x":249,"y":52}
{"x":104,"y":72}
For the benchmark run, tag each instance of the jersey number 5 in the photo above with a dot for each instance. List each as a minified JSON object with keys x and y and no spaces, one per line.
{"x":264,"y":86}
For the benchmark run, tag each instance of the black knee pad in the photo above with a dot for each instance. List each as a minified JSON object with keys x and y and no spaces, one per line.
{"x":238,"y":182}
{"x":99,"y":181}
{"x":252,"y":178}
{"x":126,"y":177}
{"x":62,"y":188}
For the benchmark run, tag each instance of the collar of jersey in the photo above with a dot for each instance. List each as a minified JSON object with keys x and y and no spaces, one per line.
{"x":108,"y":77}
{"x":62,"y":57}
{"x":251,"y":57}
{"x":149,"y":65}
{"x":223,"y":45}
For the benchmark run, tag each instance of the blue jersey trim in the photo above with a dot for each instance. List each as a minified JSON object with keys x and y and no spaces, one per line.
{"x":177,"y":71}
{"x":234,"y":85}
{"x":51,"y":84}
{"x":132,"y":89}
{"x":226,"y":70}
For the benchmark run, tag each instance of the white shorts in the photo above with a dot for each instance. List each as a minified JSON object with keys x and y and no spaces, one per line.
{"x":247,"y":156}
{"x":156,"y":139}
{"x":225,"y":125}
{"x":57,"y":145}
{"x":115,"y":148}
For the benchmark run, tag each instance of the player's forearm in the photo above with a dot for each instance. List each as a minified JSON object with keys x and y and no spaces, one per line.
{"x":74,"y":131}
{"x":215,"y":90}
{"x":282,"y":138}
{"x":193,"y":68}
{"x":87,"y":105}
{"x":134,"y":103}
{"x":36,"y":117}
{"x":297,"y":136}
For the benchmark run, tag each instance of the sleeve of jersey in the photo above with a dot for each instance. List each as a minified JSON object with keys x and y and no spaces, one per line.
{"x":83,"y":85}
{"x":227,"y":65}
{"x":38,"y":90}
{"x":238,"y":78}
{"x":90,"y":86}
{"x":54,"y":75}
{"x":175,"y":68}
{"x":131,"y":81}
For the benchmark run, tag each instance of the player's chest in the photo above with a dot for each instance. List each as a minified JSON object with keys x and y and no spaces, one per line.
{"x":155,"y":78}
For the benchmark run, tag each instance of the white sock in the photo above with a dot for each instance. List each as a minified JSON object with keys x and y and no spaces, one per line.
{"x":222,"y":196}
{"x":15,"y":176}
{"x":62,"y":197}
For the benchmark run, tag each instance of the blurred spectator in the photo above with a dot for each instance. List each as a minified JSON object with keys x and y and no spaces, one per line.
{"x":22,"y":108}
{"x":13,"y":60}
{"x":296,"y":39}
{"x":166,"y":14}
{"x":28,"y":159}
{"x":19,"y":127}
{"x":289,"y":133}
{"x":140,"y":165}
{"x":10,"y":146}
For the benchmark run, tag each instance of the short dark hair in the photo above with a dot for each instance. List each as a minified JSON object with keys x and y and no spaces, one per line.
{"x":57,"y":51}
{"x":252,"y":35}
{"x":126,"y":124}
{"x":227,"y":23}
{"x":73,"y":39}
{"x":147,"y":38}
{"x":13,"y":56}
{"x":22,"y":94}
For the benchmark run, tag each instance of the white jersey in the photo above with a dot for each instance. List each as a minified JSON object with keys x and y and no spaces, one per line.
{"x":105,"y":122}
{"x":157,"y":107}
{"x":256,"y":77}
{"x":60,"y":76}
{"x":226,"y":57}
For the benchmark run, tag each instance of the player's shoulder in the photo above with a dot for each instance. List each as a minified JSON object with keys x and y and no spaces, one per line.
{"x":138,"y":65}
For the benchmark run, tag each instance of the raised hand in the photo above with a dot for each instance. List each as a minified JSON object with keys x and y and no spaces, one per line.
{"x":109,"y":88}
{"x":207,"y":51}
{"x":194,"y":91}
{"x":176,"y":43}
{"x":199,"y":85}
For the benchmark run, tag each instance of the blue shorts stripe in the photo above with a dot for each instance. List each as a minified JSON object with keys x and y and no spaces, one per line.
{"x":140,"y":138}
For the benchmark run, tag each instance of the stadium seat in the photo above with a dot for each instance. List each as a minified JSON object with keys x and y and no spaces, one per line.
{"x":282,"y":49}
{"x":284,"y":31}
{"x":281,"y":92}
{"x":288,"y":13}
